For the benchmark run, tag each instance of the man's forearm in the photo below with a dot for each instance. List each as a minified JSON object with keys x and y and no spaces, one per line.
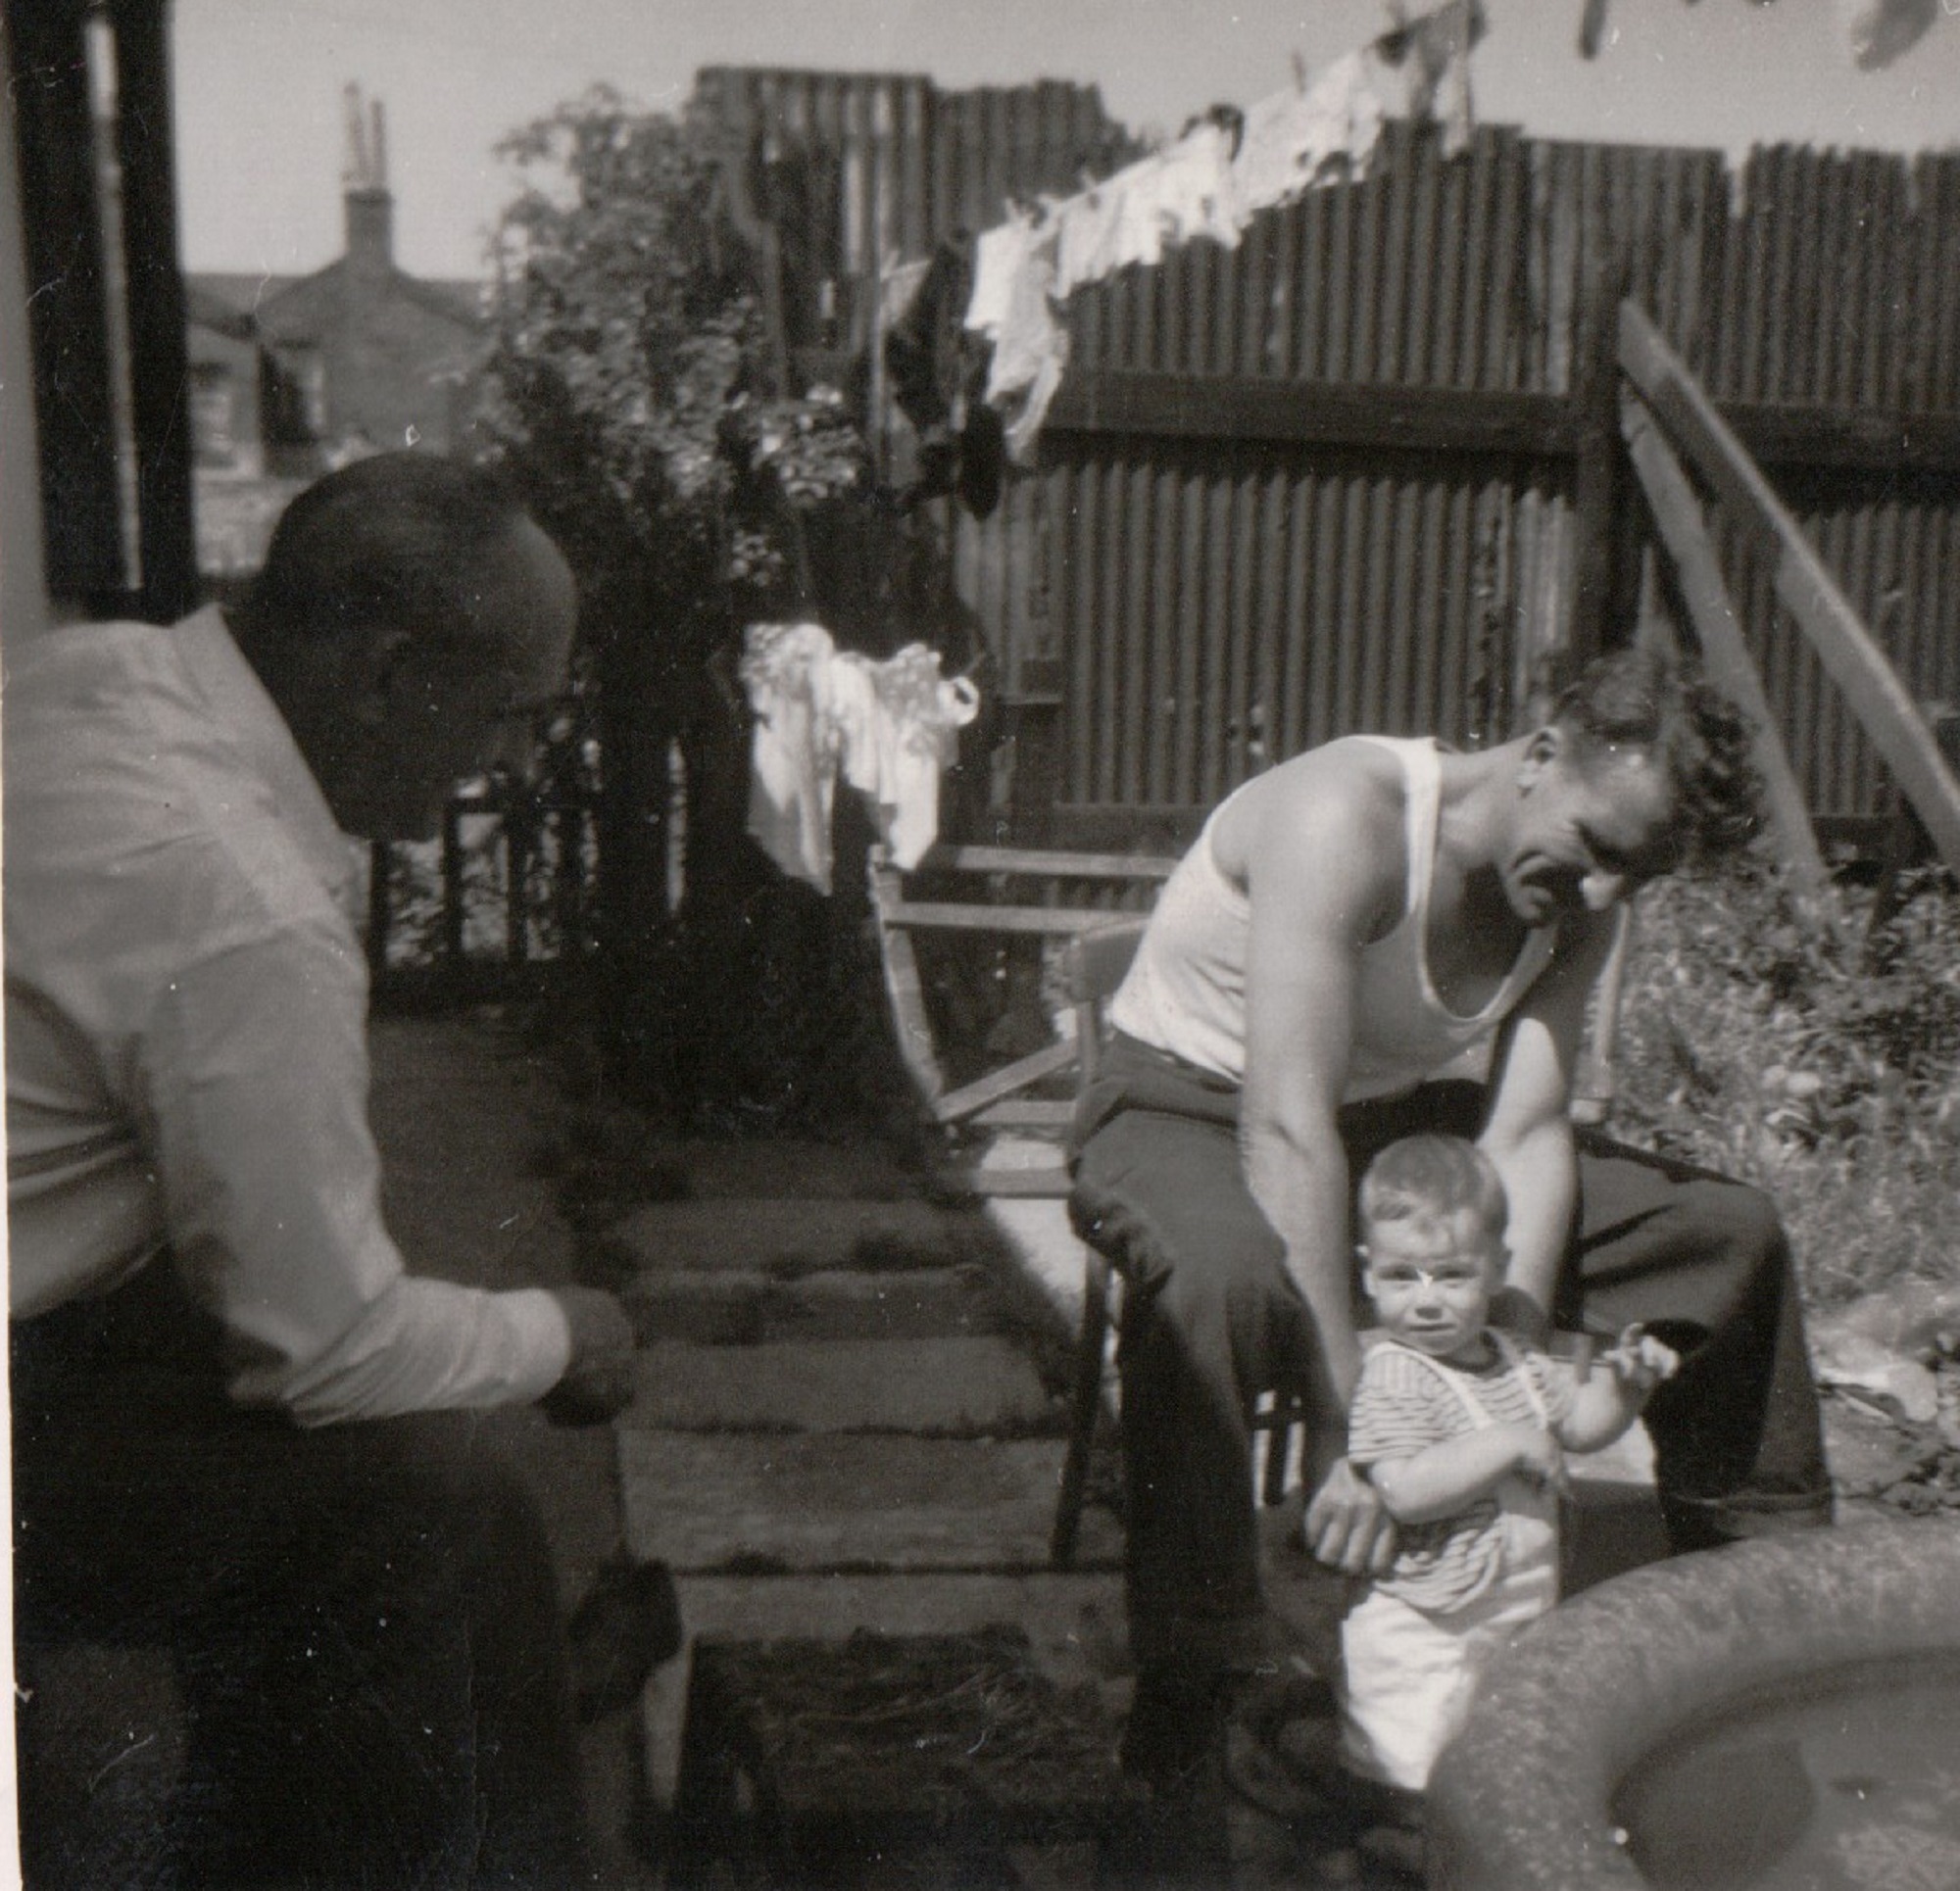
{"x":1541,"y":1175}
{"x":1302,"y":1190}
{"x":423,"y":1345}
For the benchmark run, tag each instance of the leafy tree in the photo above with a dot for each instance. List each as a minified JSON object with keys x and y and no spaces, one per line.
{"x":638,"y":400}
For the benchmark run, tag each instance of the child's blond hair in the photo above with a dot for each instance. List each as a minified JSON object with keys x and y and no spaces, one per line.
{"x":1432,"y":1178}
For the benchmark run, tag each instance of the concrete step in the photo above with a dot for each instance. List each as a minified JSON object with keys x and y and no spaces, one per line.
{"x":771,"y":1168}
{"x":935,"y":1388}
{"x":787,"y":1239}
{"x":1074,"y":1624}
{"x":816,"y":1502}
{"x":742,"y":1306}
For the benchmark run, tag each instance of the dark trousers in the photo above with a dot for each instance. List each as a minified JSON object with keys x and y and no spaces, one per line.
{"x":1212,"y":1319}
{"x":364,"y":1618}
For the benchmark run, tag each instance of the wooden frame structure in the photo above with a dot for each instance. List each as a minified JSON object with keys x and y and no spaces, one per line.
{"x":1668,"y":407}
{"x":1077,"y":897}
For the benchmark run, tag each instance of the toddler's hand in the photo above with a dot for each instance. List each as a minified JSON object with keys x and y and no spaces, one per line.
{"x":1639,"y":1362}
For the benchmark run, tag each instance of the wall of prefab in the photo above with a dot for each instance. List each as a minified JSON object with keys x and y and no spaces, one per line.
{"x":1363,"y":470}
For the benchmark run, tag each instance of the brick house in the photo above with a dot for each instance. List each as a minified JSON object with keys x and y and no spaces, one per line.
{"x":358,"y":356}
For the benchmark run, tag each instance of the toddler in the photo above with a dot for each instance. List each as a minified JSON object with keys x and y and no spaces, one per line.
{"x":1462,"y":1429}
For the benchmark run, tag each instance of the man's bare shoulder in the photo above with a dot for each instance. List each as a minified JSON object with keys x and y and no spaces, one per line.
{"x":1343,"y":803}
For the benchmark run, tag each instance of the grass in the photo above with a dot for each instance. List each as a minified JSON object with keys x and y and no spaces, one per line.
{"x":1773,"y":1040}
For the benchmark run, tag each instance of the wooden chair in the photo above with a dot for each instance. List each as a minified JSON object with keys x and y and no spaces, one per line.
{"x":1094,"y":967}
{"x":1000,"y":1099}
{"x":1099,"y":943}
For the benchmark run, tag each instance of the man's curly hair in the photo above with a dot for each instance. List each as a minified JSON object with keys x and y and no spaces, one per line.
{"x":1645,"y":697}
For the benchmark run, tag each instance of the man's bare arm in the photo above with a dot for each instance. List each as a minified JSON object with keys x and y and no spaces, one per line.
{"x":1320,"y":869}
{"x":1324,"y":866}
{"x":1528,"y":1131}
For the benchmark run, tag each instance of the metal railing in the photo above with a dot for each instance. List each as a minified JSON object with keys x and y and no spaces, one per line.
{"x":484,"y":917}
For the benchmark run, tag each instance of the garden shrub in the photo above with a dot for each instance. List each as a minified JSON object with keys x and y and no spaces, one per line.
{"x":1769,"y":1038}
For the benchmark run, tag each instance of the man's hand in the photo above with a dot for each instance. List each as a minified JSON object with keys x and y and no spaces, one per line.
{"x":598,"y":1383}
{"x":1347,"y":1525}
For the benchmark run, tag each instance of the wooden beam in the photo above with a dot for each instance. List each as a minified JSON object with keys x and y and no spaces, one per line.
{"x":1848,"y":439}
{"x":1049,"y":862}
{"x":1326,"y":414}
{"x":1880,"y":701}
{"x":970,"y":1098}
{"x":1446,"y":420}
{"x":904,"y":987}
{"x":963,"y":916}
{"x":1725,"y":656}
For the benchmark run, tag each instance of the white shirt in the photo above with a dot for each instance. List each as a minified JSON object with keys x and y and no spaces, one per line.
{"x":186,"y":1038}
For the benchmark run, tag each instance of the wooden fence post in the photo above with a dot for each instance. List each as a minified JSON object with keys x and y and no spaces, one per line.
{"x":1801,"y":580}
{"x":1726,"y":658}
{"x":1602,"y":547}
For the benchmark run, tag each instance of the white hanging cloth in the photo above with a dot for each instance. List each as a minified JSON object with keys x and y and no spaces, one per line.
{"x":890,"y":727}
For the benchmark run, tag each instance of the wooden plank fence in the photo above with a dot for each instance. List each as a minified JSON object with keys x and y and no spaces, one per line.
{"x":1365,"y":469}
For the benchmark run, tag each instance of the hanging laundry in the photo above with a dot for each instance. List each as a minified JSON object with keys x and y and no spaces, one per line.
{"x":1088,"y":236}
{"x":1140,"y":229}
{"x":997,"y":259}
{"x":922,"y":341}
{"x":1304,"y":136}
{"x":1195,"y":195}
{"x":938,"y":376}
{"x":1432,"y":55}
{"x":1226,"y":165}
{"x":890,"y":728}
{"x":908,"y":719}
{"x":1877,"y":31}
{"x":793,"y":757}
{"x":1030,"y":348}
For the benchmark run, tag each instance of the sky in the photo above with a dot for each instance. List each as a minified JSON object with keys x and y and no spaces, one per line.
{"x":260,"y":83}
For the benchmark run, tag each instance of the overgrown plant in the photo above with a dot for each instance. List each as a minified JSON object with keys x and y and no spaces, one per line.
{"x":637,"y":402}
{"x":1777,"y":1042}
{"x":634,"y":391}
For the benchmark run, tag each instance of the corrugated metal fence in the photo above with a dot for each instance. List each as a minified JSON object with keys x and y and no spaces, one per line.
{"x":1328,"y":479}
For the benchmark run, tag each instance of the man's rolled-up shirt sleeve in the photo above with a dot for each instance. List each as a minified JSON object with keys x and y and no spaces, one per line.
{"x":252,"y":1080}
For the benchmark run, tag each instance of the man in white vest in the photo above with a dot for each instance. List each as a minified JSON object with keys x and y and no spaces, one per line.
{"x":1376,"y":938}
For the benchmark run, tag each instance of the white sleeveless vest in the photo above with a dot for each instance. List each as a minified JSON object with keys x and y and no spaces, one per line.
{"x":1186,"y":991}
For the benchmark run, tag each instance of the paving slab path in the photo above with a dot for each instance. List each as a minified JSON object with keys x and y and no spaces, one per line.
{"x":848,"y":1417}
{"x":848,"y":1420}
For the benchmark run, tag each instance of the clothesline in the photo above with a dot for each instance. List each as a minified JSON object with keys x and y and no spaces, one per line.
{"x":1208,"y":183}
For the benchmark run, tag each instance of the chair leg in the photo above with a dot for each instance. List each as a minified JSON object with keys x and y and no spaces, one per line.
{"x":1279,"y":1417}
{"x":1084,"y":1408}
